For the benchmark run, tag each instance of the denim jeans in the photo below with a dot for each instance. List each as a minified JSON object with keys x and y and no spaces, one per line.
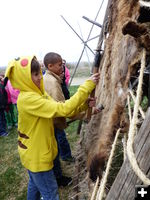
{"x":63,"y":144}
{"x":42,"y":184}
{"x":2,"y":122}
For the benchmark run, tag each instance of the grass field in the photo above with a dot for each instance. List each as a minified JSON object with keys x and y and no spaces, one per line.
{"x":83,"y":70}
{"x":14,"y":178}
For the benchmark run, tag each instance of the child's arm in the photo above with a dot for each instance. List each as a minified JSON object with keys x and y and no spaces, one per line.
{"x":44,"y":106}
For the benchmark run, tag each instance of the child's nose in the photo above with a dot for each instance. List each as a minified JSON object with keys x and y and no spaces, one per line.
{"x":40,"y":77}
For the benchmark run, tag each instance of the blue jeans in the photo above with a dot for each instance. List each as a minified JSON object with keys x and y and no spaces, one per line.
{"x":63,"y":144}
{"x":42,"y":184}
{"x":2,"y":122}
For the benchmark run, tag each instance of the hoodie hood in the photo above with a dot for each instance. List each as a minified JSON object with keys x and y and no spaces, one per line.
{"x":19,"y":74}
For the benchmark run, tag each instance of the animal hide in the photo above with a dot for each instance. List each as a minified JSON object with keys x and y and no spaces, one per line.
{"x":121,"y":54}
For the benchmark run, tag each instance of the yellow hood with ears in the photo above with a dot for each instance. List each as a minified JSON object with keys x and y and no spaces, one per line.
{"x":19,"y":74}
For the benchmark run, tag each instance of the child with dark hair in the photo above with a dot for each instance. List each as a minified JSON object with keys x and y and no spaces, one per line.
{"x":65,"y":81}
{"x":3,"y":99}
{"x":12,"y":114}
{"x":53,"y":80}
{"x":36,"y":141}
{"x":55,"y":86}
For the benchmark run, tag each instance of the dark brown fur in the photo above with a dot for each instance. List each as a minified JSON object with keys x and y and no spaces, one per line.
{"x":139,"y":31}
{"x":97,"y":167}
{"x":97,"y":163}
{"x":119,"y":62}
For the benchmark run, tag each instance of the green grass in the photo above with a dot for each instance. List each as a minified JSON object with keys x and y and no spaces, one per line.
{"x":73,"y":89}
{"x":81,"y":71}
{"x":13,"y":177}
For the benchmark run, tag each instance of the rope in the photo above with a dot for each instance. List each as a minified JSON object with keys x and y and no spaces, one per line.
{"x":140,"y":109}
{"x":95,"y":189}
{"x":125,"y":135}
{"x":129,"y":109}
{"x":101,"y":189}
{"x":125,"y":146}
{"x":132,"y":128}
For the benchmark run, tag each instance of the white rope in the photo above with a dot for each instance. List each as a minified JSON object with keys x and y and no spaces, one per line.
{"x":101,"y":189}
{"x":143,"y":3}
{"x":129,"y":109}
{"x":125,"y":134}
{"x":95,"y":189}
{"x":134,"y":99}
{"x":124,"y":141}
{"x":132,"y":127}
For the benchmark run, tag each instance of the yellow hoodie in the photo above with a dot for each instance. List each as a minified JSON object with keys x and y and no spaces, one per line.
{"x":36,"y":142}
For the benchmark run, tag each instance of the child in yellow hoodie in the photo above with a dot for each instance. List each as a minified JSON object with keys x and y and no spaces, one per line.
{"x":36,"y":141}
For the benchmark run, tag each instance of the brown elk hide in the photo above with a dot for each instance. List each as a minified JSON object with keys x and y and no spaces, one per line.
{"x":121,"y":53}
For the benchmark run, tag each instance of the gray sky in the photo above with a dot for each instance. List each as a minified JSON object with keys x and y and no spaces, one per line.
{"x":36,"y":27}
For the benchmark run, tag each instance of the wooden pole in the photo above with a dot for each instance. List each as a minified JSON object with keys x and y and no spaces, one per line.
{"x":93,"y":22}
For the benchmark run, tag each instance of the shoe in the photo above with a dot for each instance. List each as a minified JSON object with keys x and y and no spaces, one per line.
{"x":4,"y":134}
{"x":63,"y":181}
{"x":69,"y":159}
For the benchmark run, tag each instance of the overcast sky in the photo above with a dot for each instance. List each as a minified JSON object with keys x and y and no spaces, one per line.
{"x":36,"y":27}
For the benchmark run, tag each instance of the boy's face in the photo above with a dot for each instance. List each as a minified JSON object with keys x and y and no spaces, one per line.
{"x":36,"y":78}
{"x":56,"y":68}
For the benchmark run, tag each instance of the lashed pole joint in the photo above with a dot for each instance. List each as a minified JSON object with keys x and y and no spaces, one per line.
{"x":85,"y":44}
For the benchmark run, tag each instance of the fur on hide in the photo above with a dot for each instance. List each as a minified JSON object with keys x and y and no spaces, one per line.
{"x":141,"y":32}
{"x":117,"y":119}
{"x":122,"y":52}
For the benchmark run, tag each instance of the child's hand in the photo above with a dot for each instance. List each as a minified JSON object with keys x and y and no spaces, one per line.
{"x":97,"y":109}
{"x":91,"y":101}
{"x":95,"y":77}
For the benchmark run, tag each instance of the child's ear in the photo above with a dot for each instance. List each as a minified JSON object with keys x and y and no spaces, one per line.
{"x":49,"y":66}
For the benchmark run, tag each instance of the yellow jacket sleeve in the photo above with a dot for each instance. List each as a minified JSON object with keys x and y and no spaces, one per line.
{"x":45,"y":106}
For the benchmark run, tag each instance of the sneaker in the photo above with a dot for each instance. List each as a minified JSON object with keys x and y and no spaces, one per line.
{"x":69,"y":159}
{"x":63,"y":181}
{"x":4,"y":134}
